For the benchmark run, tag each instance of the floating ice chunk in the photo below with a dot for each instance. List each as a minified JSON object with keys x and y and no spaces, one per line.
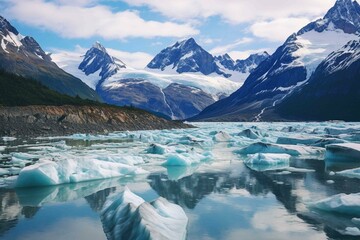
{"x":128,"y":216}
{"x":2,"y":148}
{"x":4,"y":171}
{"x":189,"y":140}
{"x":343,"y":152}
{"x":186,"y":159}
{"x":250,"y":133}
{"x":156,"y":149}
{"x":356,"y":220}
{"x":293,"y":150}
{"x":47,"y":173}
{"x":338,"y":131}
{"x":222,"y":137}
{"x":351,"y":173}
{"x":341,"y":203}
{"x":8,"y":139}
{"x":267,"y":161}
{"x":24,"y":156}
{"x":352,"y":231}
{"x":19,"y":162}
{"x":178,"y":160}
{"x":299,"y":170}
{"x":294,"y":140}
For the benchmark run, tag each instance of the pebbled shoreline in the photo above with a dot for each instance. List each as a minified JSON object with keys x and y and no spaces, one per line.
{"x":34,"y":121}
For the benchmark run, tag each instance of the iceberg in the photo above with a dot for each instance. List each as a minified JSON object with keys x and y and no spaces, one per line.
{"x":341,"y":203}
{"x":338,"y":131}
{"x":308,"y":140}
{"x":343,"y":152}
{"x":293,"y":150}
{"x":156,"y":149}
{"x":128,"y":216}
{"x":8,"y":139}
{"x":250,"y":133}
{"x":267,"y":161}
{"x":222,"y":137}
{"x":49,"y":173}
{"x":186,"y":159}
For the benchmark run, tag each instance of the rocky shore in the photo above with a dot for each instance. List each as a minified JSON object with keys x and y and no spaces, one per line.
{"x":35,"y":121}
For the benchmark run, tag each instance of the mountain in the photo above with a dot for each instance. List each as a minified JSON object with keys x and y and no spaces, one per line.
{"x":290,"y":67}
{"x":333,"y":90}
{"x":186,"y":57}
{"x":23,"y":56}
{"x":177,"y":96}
{"x":239,"y":70}
{"x":97,"y":61}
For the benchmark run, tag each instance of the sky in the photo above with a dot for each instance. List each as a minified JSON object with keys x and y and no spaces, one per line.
{"x":136,"y":30}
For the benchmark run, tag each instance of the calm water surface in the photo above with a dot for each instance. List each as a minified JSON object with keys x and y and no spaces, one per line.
{"x":222,"y":198}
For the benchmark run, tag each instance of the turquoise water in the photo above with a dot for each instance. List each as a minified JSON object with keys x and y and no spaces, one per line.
{"x":221,"y":196}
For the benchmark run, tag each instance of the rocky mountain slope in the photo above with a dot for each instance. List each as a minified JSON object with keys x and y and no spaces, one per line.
{"x":63,"y":120}
{"x":333,"y":91}
{"x":290,"y":67}
{"x":23,"y":56}
{"x":177,"y":96}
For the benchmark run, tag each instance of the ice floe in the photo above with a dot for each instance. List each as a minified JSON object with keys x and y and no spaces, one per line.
{"x":128,"y":216}
{"x":341,"y":203}
{"x":351,"y":173}
{"x":343,"y":152}
{"x":222,"y":137}
{"x":250,"y":133}
{"x":186,"y":158}
{"x":267,"y":161}
{"x":48,"y":173}
{"x":293,"y":150}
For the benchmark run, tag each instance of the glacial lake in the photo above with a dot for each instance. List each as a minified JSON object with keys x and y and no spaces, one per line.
{"x":212,"y":172}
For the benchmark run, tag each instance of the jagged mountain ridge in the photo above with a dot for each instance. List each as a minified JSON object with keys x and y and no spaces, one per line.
{"x":22,"y":55}
{"x":290,"y":67}
{"x":188,"y":57}
{"x":97,"y":59}
{"x":184,"y":57}
{"x":333,"y":90}
{"x":177,"y":96}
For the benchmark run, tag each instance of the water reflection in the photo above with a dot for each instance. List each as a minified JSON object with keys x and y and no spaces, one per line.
{"x":245,"y":200}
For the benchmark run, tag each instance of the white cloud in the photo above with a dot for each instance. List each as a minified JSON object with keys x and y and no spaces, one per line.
{"x":137,"y":60}
{"x":208,"y":41}
{"x":226,"y":48}
{"x":279,"y":29}
{"x":236,"y":11}
{"x":74,"y":20}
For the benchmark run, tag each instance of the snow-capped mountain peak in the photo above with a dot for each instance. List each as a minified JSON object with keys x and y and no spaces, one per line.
{"x":97,"y":60}
{"x":344,"y":15}
{"x":98,"y":46}
{"x":185,"y":57}
{"x":343,"y":57}
{"x":12,"y":41}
